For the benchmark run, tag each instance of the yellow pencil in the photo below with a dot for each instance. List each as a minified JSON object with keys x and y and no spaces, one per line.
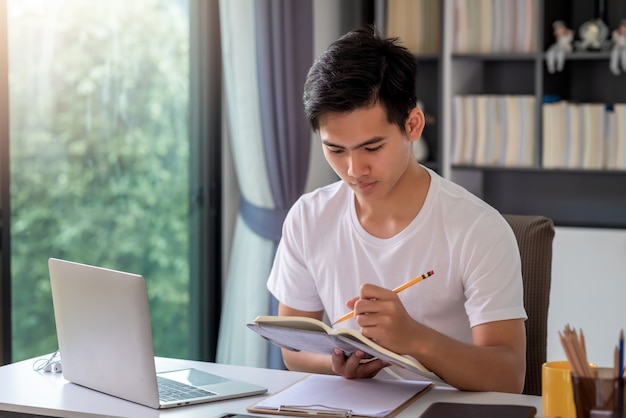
{"x":396,"y":290}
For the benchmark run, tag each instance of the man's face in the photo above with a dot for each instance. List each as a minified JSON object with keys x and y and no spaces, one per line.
{"x":365,"y":150}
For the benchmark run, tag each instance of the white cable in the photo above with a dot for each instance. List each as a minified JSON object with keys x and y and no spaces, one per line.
{"x":51,"y":364}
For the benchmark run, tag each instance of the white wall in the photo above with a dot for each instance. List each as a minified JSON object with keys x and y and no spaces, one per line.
{"x":588,"y":290}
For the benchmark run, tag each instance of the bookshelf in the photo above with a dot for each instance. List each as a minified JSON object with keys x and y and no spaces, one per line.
{"x":571,"y":196}
{"x":423,"y":36}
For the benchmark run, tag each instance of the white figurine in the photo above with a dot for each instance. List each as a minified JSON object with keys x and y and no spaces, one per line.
{"x":555,"y":57}
{"x":593,"y":34}
{"x":618,"y":53}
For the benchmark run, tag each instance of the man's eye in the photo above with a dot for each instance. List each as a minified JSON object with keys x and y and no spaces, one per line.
{"x":373,"y":149}
{"x":335,"y":150}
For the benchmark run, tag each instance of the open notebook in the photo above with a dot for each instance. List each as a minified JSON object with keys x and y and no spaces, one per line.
{"x":105,"y":340}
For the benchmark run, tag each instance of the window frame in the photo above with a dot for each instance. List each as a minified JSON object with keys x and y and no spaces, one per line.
{"x":5,"y":208}
{"x":205,"y":178}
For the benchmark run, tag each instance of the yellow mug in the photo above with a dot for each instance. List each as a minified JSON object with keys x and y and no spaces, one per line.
{"x":556,"y":390}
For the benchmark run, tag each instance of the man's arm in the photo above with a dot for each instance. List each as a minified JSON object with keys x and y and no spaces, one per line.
{"x":495,"y":361}
{"x":301,"y":361}
{"x":350,"y":367}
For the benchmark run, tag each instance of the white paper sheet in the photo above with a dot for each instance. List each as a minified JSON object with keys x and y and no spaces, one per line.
{"x":365,"y":397}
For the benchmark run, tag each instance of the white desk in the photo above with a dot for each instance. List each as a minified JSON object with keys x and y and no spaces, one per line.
{"x":24,"y":390}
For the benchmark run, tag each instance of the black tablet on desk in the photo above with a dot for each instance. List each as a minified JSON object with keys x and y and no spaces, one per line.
{"x":475,"y":410}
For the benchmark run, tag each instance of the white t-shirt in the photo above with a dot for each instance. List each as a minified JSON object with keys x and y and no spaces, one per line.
{"x":325,"y":255}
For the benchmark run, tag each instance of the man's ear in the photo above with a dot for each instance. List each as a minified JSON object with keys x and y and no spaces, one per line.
{"x":414,"y":125}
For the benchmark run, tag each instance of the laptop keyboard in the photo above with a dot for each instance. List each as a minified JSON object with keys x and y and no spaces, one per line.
{"x":171,"y":390}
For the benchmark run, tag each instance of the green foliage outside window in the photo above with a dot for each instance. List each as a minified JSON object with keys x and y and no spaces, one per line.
{"x":99,"y":155}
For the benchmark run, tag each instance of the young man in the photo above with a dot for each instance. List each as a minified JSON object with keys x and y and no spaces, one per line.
{"x":389,"y":219}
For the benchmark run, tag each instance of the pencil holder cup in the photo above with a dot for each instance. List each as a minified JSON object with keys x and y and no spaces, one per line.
{"x":599,"y":396}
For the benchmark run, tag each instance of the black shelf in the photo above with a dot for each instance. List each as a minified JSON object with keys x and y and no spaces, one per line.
{"x":496,"y":57}
{"x":427,"y":58}
{"x":570,"y":198}
{"x":588,"y":56}
{"x":560,"y":171}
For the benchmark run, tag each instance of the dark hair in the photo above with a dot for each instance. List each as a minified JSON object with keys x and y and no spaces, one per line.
{"x":359,"y":70}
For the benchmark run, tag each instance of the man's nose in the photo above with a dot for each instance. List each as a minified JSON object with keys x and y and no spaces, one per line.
{"x":357,"y":165}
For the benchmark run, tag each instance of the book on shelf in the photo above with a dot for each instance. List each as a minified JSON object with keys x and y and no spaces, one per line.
{"x":513,"y":142}
{"x":554,"y":135}
{"x":461,"y":27}
{"x":430,"y":33}
{"x":486,"y":18}
{"x":494,"y":26}
{"x":520,"y":25}
{"x":619,"y":110}
{"x":584,"y":136}
{"x":573,"y":141}
{"x":560,"y":136}
{"x":593,"y":135}
{"x":416,"y":23}
{"x":461,"y":127}
{"x":500,"y":146}
{"x":306,"y":334}
{"x":396,"y":22}
{"x":493,"y":130}
{"x":482,"y":129}
{"x":457,"y":129}
{"x":468,"y":137}
{"x":527,"y":156}
{"x":547,"y":135}
{"x":610,"y":156}
{"x":508,"y":27}
{"x":587,"y":136}
{"x":496,"y":131}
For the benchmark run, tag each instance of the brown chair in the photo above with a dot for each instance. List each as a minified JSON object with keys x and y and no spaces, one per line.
{"x":534,"y":238}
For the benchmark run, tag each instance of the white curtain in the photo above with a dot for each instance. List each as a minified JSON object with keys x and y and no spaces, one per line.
{"x":245,"y":294}
{"x":267,"y":51}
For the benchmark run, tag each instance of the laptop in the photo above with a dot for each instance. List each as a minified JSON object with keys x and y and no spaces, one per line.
{"x":105,"y":341}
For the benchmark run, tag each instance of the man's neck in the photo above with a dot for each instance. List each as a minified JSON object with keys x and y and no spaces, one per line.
{"x":387,"y":217}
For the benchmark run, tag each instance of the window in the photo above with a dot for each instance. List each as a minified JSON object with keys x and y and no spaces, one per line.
{"x":99,"y":95}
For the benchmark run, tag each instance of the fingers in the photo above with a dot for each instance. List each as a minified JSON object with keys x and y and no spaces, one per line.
{"x":371,"y":291}
{"x":354,"y":366}
{"x":369,"y":296}
{"x":350,"y":303}
{"x":376,"y":306}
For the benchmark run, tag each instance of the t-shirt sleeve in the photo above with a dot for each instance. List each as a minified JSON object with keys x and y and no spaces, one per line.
{"x":290,"y":280}
{"x":494,"y":287}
